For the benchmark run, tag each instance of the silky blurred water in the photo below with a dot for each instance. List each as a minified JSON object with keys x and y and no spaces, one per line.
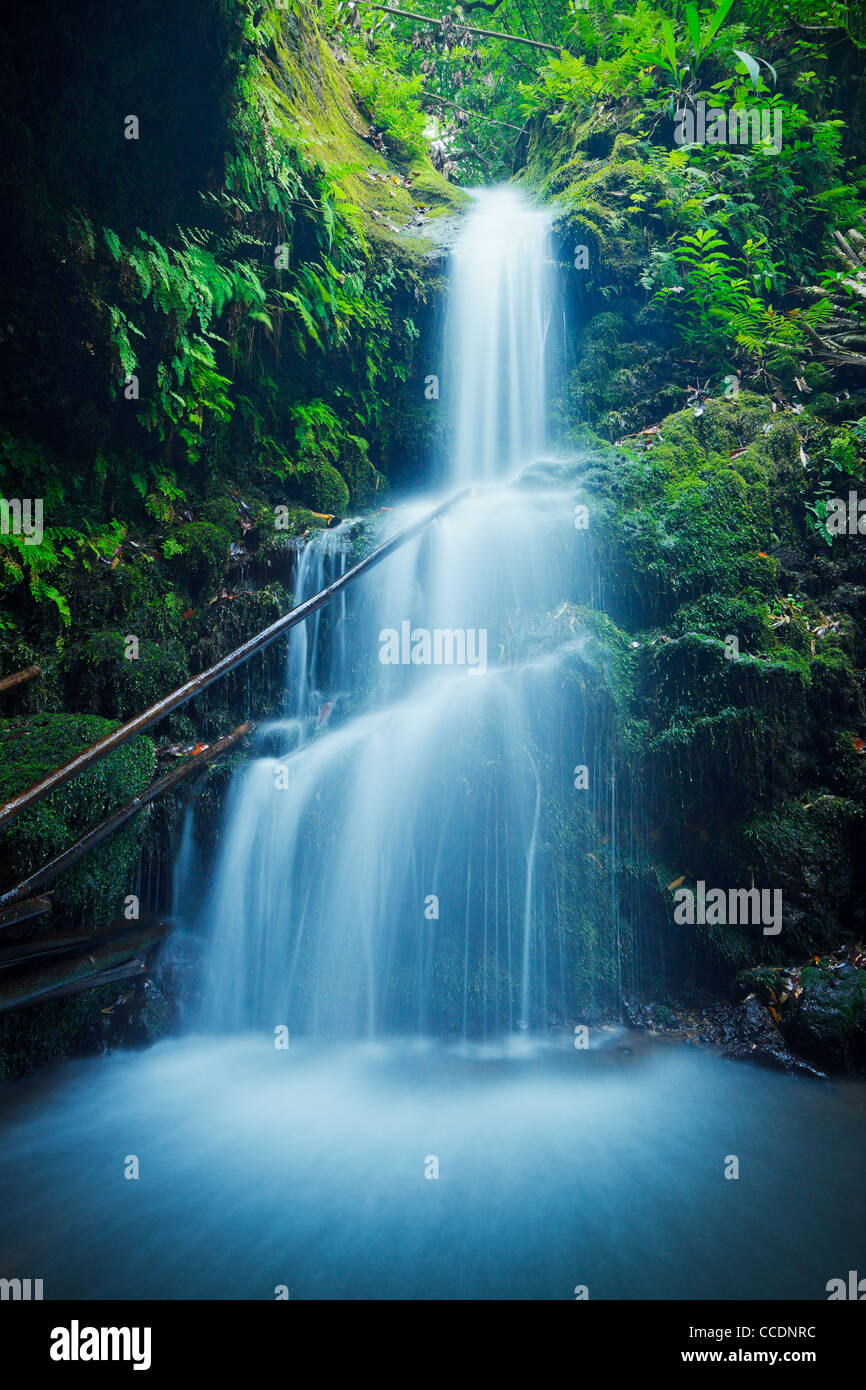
{"x":502,"y":296}
{"x":306,"y":1168}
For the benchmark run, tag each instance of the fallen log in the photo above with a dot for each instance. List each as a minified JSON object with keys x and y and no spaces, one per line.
{"x":34,"y":948}
{"x":104,"y":977}
{"x":93,"y":837}
{"x":20,"y":911}
{"x":71,"y":976}
{"x":88,"y":756}
{"x":20,"y":678}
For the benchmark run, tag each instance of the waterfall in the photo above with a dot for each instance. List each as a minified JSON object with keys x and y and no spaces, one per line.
{"x":393,"y":870}
{"x":416,"y":858}
{"x":502,"y":297}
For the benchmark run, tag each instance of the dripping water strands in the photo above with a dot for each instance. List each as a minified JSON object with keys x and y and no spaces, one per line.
{"x":321,"y":560}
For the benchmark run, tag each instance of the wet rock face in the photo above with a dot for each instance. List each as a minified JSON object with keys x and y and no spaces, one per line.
{"x":827,"y":1023}
{"x":172,"y":987}
{"x":151,"y":1007}
{"x":746,"y":1031}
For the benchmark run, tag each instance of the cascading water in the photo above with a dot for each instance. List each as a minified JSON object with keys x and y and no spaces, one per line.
{"x":320,"y":563}
{"x":389,"y":874}
{"x":502,"y":296}
{"x":418,"y":860}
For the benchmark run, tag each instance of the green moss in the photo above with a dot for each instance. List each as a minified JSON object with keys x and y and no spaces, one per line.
{"x":721,"y":616}
{"x":807,"y":849}
{"x":98,"y":675}
{"x":221,"y":512}
{"x":307,"y":91}
{"x":94,"y":889}
{"x":367,"y":486}
{"x":828,"y":1020}
{"x":321,"y":488}
{"x":32,"y":1037}
{"x":203,"y":556}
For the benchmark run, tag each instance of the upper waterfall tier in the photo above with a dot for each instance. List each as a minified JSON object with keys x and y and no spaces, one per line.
{"x":502,"y":293}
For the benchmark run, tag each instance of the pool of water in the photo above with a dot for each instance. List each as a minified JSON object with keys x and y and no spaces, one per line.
{"x":312,"y":1168}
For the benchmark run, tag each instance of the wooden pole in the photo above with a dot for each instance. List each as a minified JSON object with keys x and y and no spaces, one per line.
{"x":70,"y":976}
{"x":19,"y":912}
{"x":36,"y":948}
{"x":485,"y":33}
{"x":20,"y":678}
{"x":133,"y":969}
{"x":86,"y":842}
{"x":88,"y":756}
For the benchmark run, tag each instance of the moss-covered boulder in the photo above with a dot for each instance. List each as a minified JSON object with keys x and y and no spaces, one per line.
{"x":367,"y":486}
{"x":828,"y":1020}
{"x":321,"y":488}
{"x":93,"y":890}
{"x":221,"y":512}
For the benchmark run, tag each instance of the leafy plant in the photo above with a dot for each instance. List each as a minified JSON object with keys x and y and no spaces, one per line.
{"x":671,"y":57}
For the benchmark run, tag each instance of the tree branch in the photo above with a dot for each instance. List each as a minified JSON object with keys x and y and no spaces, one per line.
{"x":476,"y":115}
{"x":485,"y":33}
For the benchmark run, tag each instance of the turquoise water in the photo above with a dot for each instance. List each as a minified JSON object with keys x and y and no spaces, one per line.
{"x":305,"y":1168}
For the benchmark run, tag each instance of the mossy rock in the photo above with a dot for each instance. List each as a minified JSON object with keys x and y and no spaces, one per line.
{"x":92,"y":891}
{"x":808,"y":850}
{"x":722,"y":616}
{"x":32,"y":1037}
{"x":367,"y":486}
{"x":287,"y":524}
{"x":695,"y":674}
{"x":321,"y":488}
{"x":221,"y":512}
{"x":203,"y":556}
{"x":98,"y":675}
{"x":828,"y":1021}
